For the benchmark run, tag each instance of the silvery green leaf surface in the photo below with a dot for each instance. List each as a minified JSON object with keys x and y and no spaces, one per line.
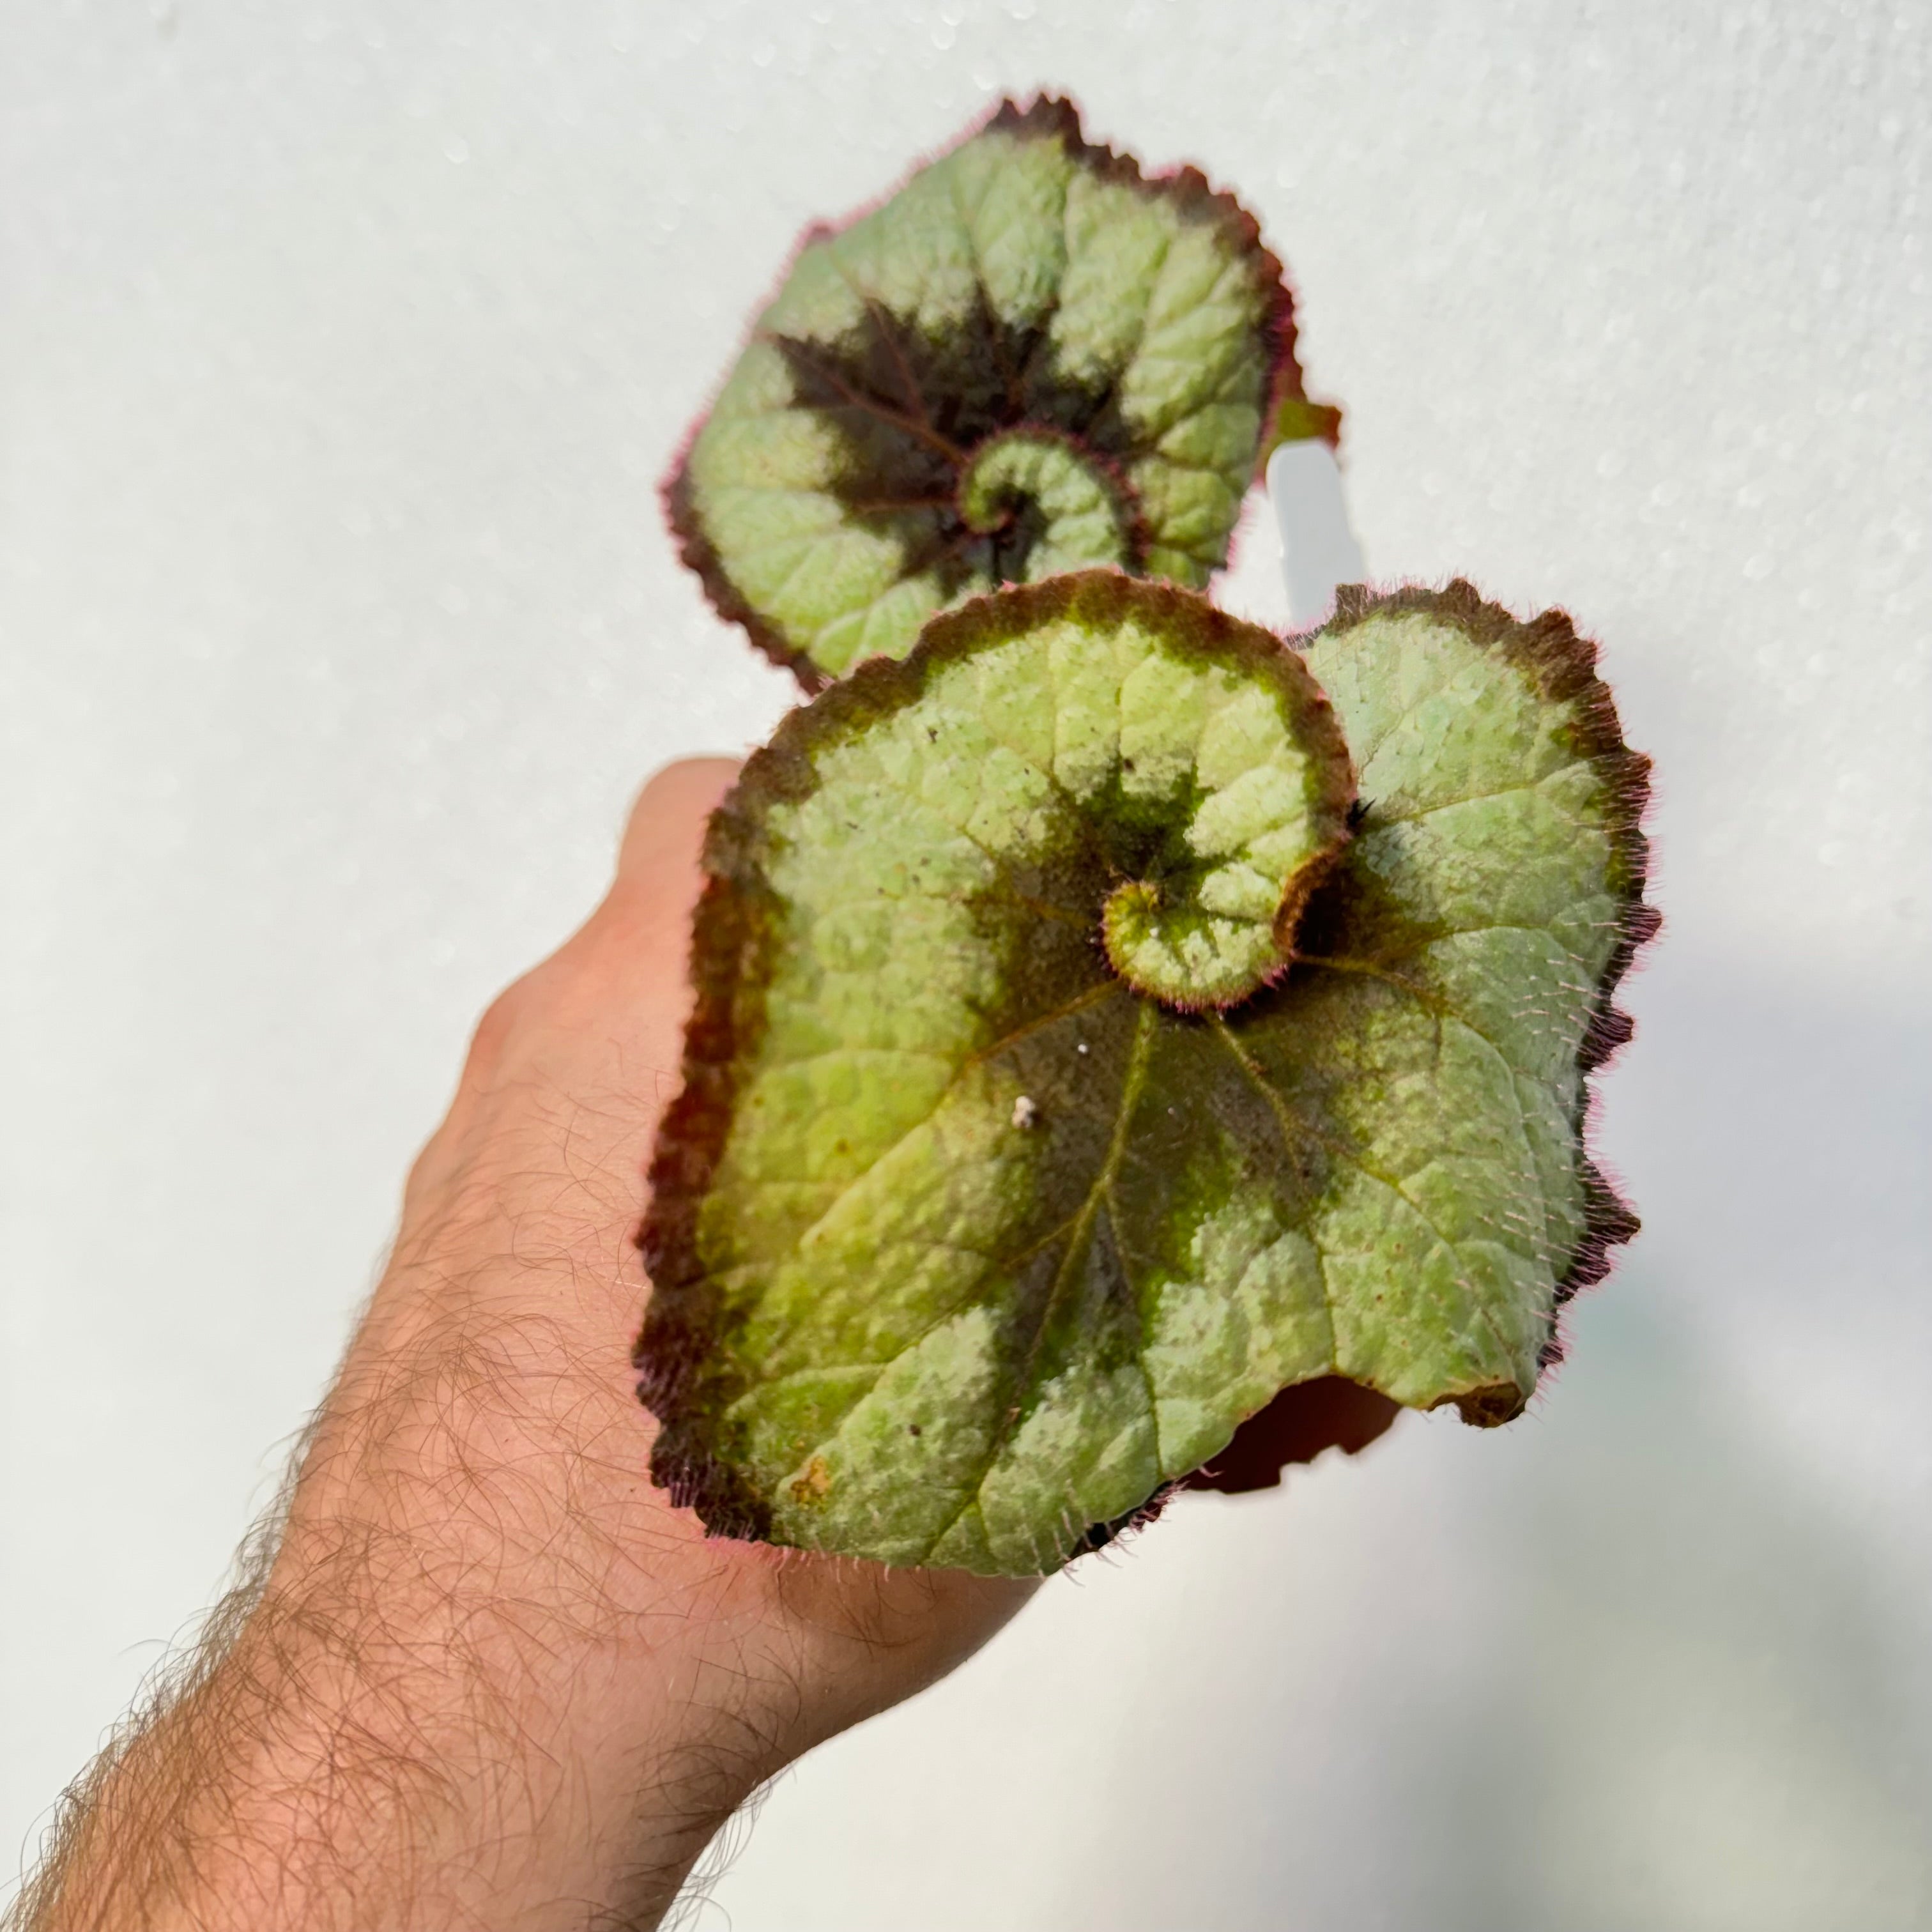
{"x":965,"y":1242}
{"x":1030,"y":358}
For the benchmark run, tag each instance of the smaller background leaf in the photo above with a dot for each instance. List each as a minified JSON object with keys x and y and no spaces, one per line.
{"x":1133,"y":329}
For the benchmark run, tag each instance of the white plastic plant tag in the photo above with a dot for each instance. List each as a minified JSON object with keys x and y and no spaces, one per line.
{"x":1319,"y":550}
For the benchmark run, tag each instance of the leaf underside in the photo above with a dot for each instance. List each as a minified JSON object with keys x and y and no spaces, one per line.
{"x":962,"y":1249}
{"x":1131,"y":332}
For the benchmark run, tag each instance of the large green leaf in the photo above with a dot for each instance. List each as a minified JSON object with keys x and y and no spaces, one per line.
{"x":1030,"y":359}
{"x":962,"y":1247}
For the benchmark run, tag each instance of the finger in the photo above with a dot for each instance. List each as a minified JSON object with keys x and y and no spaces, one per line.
{"x":666,"y":830}
{"x":632,"y":946}
{"x":647,"y":910}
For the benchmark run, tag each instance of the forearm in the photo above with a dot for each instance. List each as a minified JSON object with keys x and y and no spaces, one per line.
{"x":450,"y":1695}
{"x":392,"y":1758}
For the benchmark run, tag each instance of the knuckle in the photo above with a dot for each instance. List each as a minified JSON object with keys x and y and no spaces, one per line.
{"x":496,"y":1031}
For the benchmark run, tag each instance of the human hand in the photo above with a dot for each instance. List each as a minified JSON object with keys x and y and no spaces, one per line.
{"x":492,"y":1676}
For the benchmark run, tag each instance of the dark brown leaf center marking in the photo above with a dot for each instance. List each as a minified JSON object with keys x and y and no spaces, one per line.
{"x":914,"y":413}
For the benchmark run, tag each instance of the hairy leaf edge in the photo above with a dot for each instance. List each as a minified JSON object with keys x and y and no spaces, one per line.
{"x":1563,"y":664}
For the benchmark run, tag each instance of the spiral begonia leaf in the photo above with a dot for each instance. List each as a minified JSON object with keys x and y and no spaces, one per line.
{"x":963,"y":1248}
{"x":1030,"y":359}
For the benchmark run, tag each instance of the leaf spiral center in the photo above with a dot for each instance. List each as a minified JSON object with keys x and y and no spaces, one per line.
{"x":1056,"y":504}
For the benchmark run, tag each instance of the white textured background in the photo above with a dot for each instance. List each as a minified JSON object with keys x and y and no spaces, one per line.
{"x":341,"y":345}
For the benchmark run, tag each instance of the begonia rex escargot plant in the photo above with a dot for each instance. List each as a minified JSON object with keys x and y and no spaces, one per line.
{"x":1110,"y":1015}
